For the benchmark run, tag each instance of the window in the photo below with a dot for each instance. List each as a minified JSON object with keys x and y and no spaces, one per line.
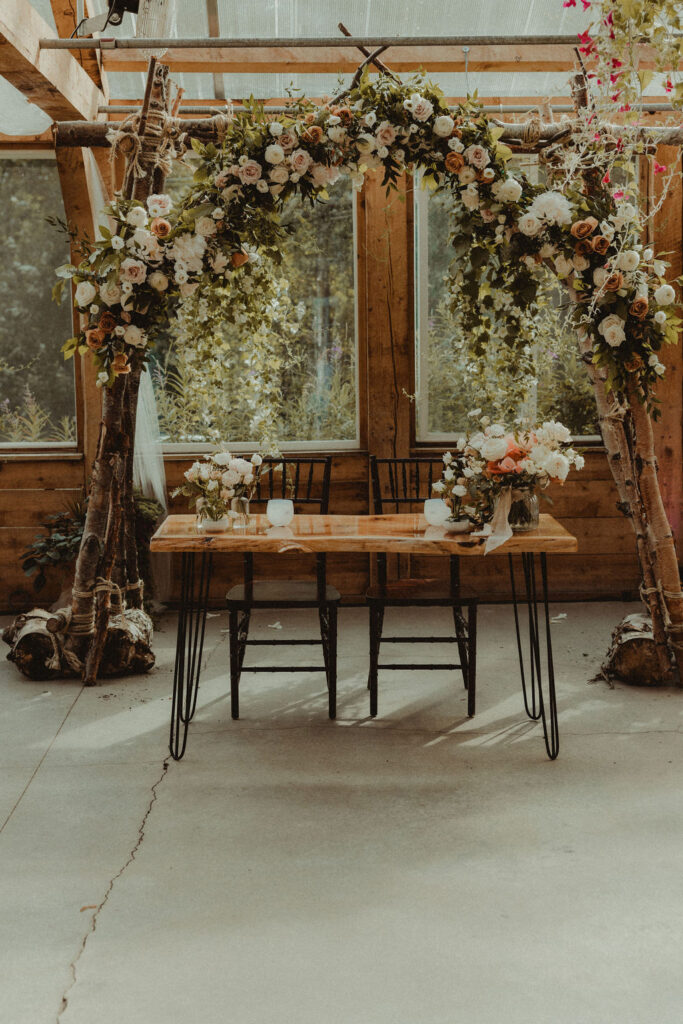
{"x":450,"y":381}
{"x":36,"y":386}
{"x":201,"y":400}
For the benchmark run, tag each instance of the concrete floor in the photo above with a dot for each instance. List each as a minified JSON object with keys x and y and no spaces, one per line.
{"x":418,"y":869}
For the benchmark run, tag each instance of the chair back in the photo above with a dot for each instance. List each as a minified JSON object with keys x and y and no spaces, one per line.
{"x":306,"y":481}
{"x":400,"y":484}
{"x":403,"y":485}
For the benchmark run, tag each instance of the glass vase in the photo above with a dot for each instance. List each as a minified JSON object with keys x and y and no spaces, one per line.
{"x":207,"y":525}
{"x":239,"y":512}
{"x":523,"y":510}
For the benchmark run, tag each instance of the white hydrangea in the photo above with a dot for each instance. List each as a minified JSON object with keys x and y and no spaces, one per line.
{"x":552,"y":207}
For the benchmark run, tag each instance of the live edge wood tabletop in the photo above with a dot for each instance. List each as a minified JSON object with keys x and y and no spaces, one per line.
{"x":404,"y":533}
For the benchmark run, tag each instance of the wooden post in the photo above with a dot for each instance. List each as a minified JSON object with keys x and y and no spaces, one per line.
{"x":667,"y":235}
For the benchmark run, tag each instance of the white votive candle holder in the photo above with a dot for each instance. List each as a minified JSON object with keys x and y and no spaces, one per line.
{"x":280,"y":511}
{"x":436,"y":511}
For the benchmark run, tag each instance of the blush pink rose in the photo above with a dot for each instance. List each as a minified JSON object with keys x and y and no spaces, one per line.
{"x":287,"y":140}
{"x":385,"y":134}
{"x":477,"y":156}
{"x":250,"y":172}
{"x":300,"y":160}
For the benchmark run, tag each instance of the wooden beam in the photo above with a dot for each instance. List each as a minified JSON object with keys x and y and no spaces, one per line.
{"x":667,"y":236}
{"x":75,"y":177}
{"x":64,"y":13}
{"x":52,"y":79}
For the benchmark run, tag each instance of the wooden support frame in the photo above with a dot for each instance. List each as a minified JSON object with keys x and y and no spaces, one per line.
{"x":64,"y":13}
{"x":52,"y":79}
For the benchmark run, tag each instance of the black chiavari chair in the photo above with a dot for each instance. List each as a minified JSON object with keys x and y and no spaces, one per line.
{"x":402,"y":485}
{"x":307,"y":482}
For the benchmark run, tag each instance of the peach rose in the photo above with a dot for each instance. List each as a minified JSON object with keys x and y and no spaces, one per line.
{"x":600,"y":244}
{"x":634,"y":364}
{"x":637,"y":309}
{"x":95,"y":338}
{"x":160,"y":227}
{"x":614,"y":282}
{"x":454,"y":162}
{"x":583,"y":228}
{"x":313,"y":135}
{"x":345,"y":114}
{"x":107,"y":322}
{"x":120,"y":363}
{"x":238,"y":259}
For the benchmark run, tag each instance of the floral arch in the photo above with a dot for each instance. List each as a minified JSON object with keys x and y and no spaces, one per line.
{"x":223,"y":236}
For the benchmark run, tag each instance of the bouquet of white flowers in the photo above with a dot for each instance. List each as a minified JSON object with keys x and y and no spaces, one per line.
{"x":212,"y":483}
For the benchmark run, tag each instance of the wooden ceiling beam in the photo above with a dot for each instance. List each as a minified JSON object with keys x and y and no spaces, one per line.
{"x":52,"y":79}
{"x":331,"y":60}
{"x":64,"y":13}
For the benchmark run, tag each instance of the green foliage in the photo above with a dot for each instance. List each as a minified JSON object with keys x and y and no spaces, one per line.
{"x":59,"y":545}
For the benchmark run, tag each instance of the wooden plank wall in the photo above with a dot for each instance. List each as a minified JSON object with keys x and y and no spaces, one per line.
{"x":605,"y":566}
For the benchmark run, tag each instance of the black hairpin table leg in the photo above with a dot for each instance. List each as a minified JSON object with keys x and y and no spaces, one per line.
{"x":537,"y":706}
{"x":194,"y":594}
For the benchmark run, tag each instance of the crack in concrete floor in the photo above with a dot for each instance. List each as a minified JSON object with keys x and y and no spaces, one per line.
{"x":73,"y":966}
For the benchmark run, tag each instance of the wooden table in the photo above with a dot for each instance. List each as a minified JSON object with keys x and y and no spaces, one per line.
{"x":399,"y":534}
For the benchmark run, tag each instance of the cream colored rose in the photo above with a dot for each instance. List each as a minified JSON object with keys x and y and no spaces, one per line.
{"x":274,"y":154}
{"x":664,"y":295}
{"x":110,"y":292}
{"x":205,"y":226}
{"x":444,"y":125}
{"x":85,"y":293}
{"x":158,"y":281}
{"x":250,"y":172}
{"x":612,"y":330}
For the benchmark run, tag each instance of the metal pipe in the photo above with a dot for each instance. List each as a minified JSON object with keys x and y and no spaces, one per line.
{"x":349,"y":42}
{"x":563,"y":108}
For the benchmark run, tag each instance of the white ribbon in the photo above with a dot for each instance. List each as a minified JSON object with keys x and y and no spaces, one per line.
{"x":500,"y":527}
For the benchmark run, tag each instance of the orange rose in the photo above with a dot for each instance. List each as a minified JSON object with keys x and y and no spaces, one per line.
{"x":614,"y":282}
{"x":107,"y":322}
{"x":454,"y":162}
{"x":313,"y":135}
{"x":345,"y":114}
{"x":600,"y":244}
{"x":583,"y":247}
{"x":583,"y":228}
{"x":637,"y":309}
{"x":95,"y":338}
{"x":238,"y":259}
{"x":160,"y":227}
{"x":634,"y":364}
{"x":120,"y":363}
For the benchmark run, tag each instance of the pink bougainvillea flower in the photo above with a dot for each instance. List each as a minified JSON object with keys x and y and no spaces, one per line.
{"x":569,"y":3}
{"x":669,"y":85}
{"x":606,"y":180}
{"x":659,"y":168}
{"x":619,"y":194}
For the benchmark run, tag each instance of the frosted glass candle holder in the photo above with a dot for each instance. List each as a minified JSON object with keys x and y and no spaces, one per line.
{"x":280,"y":511}
{"x":436,"y":511}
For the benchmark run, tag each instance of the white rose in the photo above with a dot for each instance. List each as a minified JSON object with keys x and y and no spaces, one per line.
{"x":444,"y":125}
{"x":133,"y":271}
{"x":275,"y":129}
{"x":660,"y":369}
{"x":612,"y":330}
{"x":664,"y":295}
{"x":420,"y":107}
{"x":659,"y":267}
{"x":493,"y":448}
{"x":262,"y":185}
{"x":470,"y":197}
{"x":336,"y":133}
{"x":256,"y":459}
{"x":467,"y":175}
{"x":648,"y":254}
{"x":460,"y":491}
{"x":563,"y":266}
{"x":456,"y":144}
{"x":205,"y":226}
{"x":85,"y":293}
{"x":529,"y":225}
{"x":158,"y":281}
{"x":581,"y":263}
{"x":159,"y":205}
{"x":600,"y":275}
{"x":116,"y":242}
{"x":628,"y":260}
{"x":137,"y":217}
{"x":274,"y":154}
{"x":135,"y":336}
{"x":660,"y":316}
{"x":439,"y":487}
{"x":509,"y":191}
{"x":557,"y":466}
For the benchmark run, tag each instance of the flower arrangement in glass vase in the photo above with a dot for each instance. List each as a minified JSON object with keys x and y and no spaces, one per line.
{"x":220,"y":487}
{"x":495,"y":473}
